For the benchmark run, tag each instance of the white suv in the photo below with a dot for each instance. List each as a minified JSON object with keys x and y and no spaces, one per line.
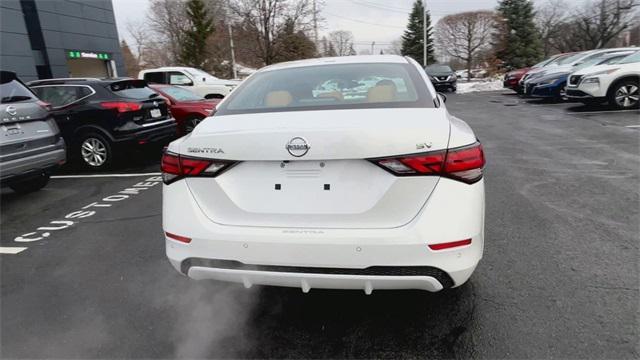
{"x":196,"y":80}
{"x":616,"y":83}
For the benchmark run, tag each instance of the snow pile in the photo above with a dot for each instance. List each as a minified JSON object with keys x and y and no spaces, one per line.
{"x":474,"y":86}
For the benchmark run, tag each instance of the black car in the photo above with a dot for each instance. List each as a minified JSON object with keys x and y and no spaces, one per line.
{"x":442,"y":77}
{"x":100,"y":117}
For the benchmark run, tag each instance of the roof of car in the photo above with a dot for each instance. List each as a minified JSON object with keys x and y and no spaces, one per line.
{"x":166,"y":68}
{"x":57,"y":81}
{"x":357,"y":59}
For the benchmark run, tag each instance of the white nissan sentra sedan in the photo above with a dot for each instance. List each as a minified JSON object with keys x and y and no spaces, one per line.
{"x":340,"y":173}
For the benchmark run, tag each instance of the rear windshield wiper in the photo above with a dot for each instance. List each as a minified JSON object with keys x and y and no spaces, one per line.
{"x":153,"y":95}
{"x":10,"y":99}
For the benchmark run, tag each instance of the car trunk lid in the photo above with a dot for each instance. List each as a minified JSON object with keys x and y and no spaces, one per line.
{"x":332,"y":185}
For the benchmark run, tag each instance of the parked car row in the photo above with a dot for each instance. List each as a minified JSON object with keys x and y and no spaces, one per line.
{"x":88,"y":121}
{"x":592,"y":77}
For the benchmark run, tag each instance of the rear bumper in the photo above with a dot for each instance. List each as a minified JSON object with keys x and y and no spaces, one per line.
{"x":163,"y":132}
{"x":33,"y":165}
{"x":365,"y":259}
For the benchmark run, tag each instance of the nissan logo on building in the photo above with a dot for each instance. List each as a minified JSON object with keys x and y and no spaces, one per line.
{"x":298,"y":146}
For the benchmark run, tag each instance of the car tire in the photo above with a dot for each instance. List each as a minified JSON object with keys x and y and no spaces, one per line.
{"x":624,"y":95}
{"x":190,"y":123}
{"x":94,"y":151}
{"x":561,"y":94}
{"x":454,"y":89}
{"x":31,"y":184}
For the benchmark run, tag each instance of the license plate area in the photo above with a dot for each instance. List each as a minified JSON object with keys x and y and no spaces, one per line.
{"x":155,"y":113}
{"x":305,"y":187}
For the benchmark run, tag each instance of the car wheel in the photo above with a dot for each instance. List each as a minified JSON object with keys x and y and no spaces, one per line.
{"x":561,"y":94}
{"x":625,"y":95}
{"x":30,"y":185}
{"x":191,"y":124}
{"x":454,"y":89}
{"x":95,"y":151}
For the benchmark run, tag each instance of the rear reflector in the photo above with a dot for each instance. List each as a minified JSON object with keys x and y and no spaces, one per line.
{"x":464,"y":163}
{"x":183,"y":239}
{"x":175,"y":167}
{"x":450,"y":245}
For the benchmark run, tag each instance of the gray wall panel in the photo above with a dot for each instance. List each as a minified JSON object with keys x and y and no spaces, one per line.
{"x":65,"y":25}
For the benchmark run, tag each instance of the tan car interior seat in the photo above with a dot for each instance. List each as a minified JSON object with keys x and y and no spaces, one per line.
{"x":279,"y":98}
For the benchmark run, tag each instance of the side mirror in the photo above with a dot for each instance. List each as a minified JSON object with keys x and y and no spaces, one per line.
{"x":442,"y":97}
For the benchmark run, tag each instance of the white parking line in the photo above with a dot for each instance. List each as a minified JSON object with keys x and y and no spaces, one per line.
{"x":11,"y":249}
{"x":633,"y":126}
{"x":601,"y":112}
{"x":104,"y":175}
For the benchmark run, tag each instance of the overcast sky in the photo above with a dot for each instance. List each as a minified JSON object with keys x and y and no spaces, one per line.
{"x":381,"y":21}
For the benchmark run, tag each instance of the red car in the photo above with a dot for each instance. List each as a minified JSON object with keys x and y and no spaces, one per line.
{"x":186,"y":107}
{"x":512,"y":78}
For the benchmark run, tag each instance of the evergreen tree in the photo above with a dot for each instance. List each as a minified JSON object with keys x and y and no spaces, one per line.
{"x":517,"y":39}
{"x":193,"y":51}
{"x":290,"y":44}
{"x":412,"y":40}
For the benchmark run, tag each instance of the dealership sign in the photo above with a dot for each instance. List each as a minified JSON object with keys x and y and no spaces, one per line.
{"x":77,"y":54}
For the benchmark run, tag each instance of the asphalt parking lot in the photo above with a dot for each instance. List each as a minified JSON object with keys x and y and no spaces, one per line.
{"x":559,"y":277}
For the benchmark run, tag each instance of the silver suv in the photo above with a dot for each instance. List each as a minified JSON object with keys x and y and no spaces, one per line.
{"x":30,"y":142}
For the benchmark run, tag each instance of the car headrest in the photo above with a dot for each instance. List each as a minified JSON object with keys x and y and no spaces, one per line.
{"x":279,"y":98}
{"x":381,"y":93}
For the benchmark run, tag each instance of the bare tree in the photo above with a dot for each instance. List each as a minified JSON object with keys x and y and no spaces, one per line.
{"x":342,"y":41}
{"x":167,"y":22}
{"x":395,"y":47}
{"x":266,"y":18}
{"x":462,"y":36}
{"x":602,"y":21}
{"x":550,"y":16}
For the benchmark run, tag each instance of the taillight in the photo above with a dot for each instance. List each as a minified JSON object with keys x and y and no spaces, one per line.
{"x":464,"y":164}
{"x":121,"y":106}
{"x":175,"y":167}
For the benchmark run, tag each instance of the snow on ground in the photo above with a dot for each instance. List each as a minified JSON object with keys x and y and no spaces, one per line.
{"x":473,"y":86}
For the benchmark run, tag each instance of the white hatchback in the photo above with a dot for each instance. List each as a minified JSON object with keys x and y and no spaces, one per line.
{"x":312,"y":175}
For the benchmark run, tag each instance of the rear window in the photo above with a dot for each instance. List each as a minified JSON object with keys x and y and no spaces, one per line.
{"x":133,"y":89}
{"x":324,"y":87}
{"x":12,"y":90}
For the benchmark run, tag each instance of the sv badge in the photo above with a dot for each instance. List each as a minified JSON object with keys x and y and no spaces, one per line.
{"x":424,"y":145}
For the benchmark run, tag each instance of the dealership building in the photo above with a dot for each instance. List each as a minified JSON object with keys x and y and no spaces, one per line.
{"x":41,"y":39}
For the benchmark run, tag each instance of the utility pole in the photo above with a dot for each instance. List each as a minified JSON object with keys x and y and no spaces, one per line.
{"x":233,"y":52}
{"x":315,"y":24}
{"x":373,"y":43}
{"x":424,"y":35}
